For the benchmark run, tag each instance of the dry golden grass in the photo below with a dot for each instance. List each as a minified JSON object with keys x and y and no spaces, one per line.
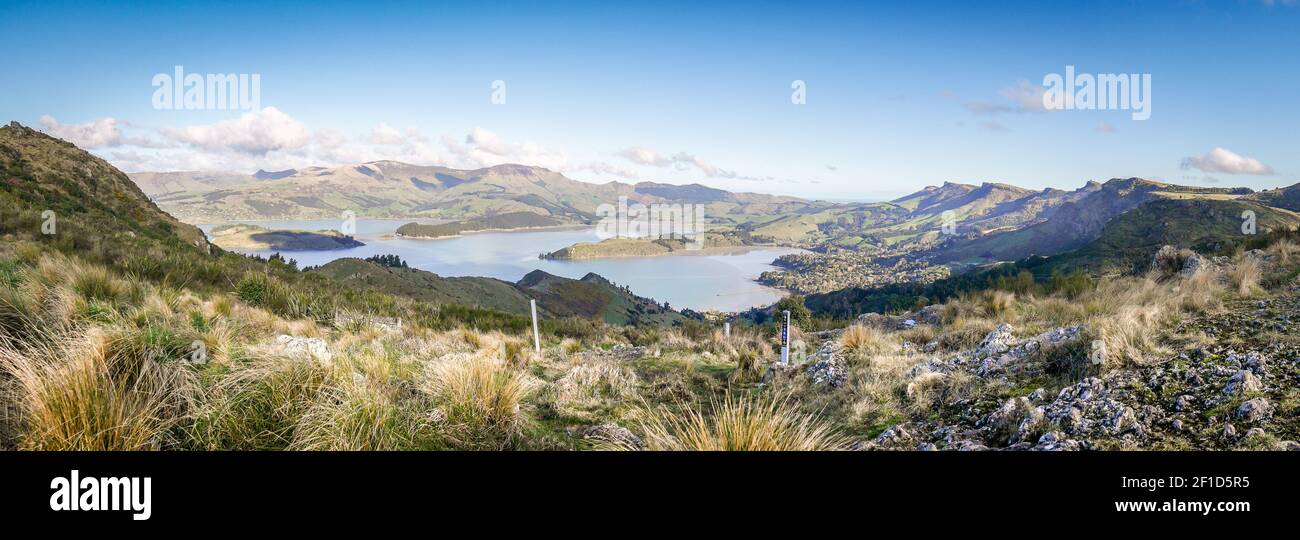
{"x":481,"y":397}
{"x":1244,"y":277}
{"x":874,"y":388}
{"x":595,"y":387}
{"x":570,"y":346}
{"x":920,"y":334}
{"x":738,"y":424}
{"x":862,"y":341}
{"x":517,"y":352}
{"x":257,"y":405}
{"x":1285,"y":251}
{"x":362,"y":415}
{"x":73,"y":394}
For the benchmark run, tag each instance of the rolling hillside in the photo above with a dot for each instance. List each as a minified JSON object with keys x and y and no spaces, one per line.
{"x":1075,"y":223}
{"x":40,"y":174}
{"x":393,"y":189}
{"x":1125,"y":245}
{"x":590,"y":297}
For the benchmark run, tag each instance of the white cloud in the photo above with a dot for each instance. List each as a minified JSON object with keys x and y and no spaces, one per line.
{"x":483,"y":148}
{"x":255,"y":133}
{"x":273,"y":140}
{"x":98,"y":133}
{"x":386,"y":134}
{"x":680,"y":161}
{"x":1024,"y":97}
{"x":606,"y":169}
{"x":645,"y":156}
{"x":1027,"y":97}
{"x":1222,"y":160}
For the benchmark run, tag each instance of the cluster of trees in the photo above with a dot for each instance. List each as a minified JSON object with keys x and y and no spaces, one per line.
{"x":387,"y":261}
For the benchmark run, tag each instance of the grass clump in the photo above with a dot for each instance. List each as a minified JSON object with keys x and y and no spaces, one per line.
{"x":480,"y":398}
{"x":739,"y":424}
{"x":77,"y":394}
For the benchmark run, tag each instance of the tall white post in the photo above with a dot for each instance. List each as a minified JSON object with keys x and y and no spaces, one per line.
{"x":726,"y":329}
{"x":785,"y":339}
{"x":537,"y":338}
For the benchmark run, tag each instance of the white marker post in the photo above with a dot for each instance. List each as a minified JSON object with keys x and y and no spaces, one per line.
{"x":537,"y":338}
{"x":785,"y":339}
{"x":726,"y":329}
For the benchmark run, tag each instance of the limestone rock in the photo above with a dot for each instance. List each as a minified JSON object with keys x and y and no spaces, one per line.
{"x":303,"y":347}
{"x":1254,"y":410}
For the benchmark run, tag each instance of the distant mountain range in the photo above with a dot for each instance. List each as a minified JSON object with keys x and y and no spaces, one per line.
{"x":390,"y":189}
{"x":988,"y":222}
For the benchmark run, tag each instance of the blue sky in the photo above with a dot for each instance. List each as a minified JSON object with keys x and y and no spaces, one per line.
{"x":899,"y":94}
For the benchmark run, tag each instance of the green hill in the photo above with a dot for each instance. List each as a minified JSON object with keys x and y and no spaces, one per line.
{"x":94,"y":200}
{"x":1287,"y":197}
{"x":595,"y":297}
{"x":1070,"y":226}
{"x":479,"y":292}
{"x":507,"y":221}
{"x":591,"y":297}
{"x":1124,"y":245}
{"x":1127,"y":242}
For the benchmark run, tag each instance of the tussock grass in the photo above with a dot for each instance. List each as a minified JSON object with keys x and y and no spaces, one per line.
{"x":1244,"y":277}
{"x":875,"y":390}
{"x":1285,"y":251}
{"x":257,"y":404}
{"x":78,"y":394}
{"x":862,"y":341}
{"x":749,"y":362}
{"x":736,"y":423}
{"x":481,"y":398}
{"x":587,"y":390}
{"x":363,"y":415}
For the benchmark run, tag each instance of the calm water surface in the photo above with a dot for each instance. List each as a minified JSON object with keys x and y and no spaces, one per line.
{"x":721,"y":282}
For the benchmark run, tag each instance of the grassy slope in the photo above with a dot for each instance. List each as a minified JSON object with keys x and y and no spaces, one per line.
{"x":480,"y":292}
{"x":594,"y":296}
{"x":1205,"y":225}
{"x":40,"y":173}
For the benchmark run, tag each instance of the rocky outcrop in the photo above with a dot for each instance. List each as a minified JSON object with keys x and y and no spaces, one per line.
{"x":303,"y":347}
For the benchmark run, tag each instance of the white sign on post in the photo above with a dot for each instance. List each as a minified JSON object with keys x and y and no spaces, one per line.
{"x":537,"y":339}
{"x":785,"y":339}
